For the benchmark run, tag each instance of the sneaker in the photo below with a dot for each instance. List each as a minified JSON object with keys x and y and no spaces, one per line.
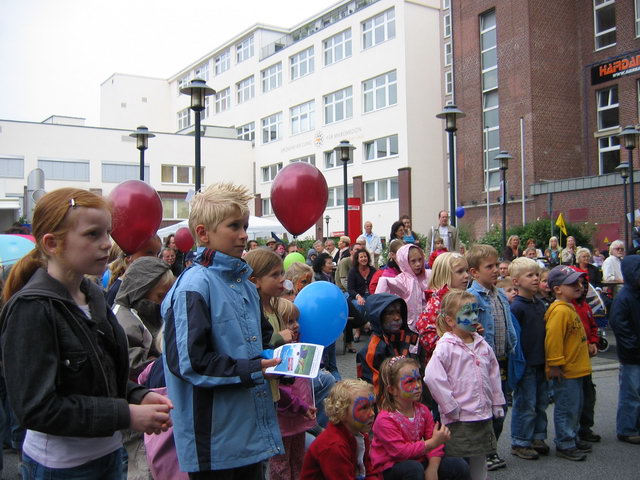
{"x":571,"y":454}
{"x":635,"y":439}
{"x":541,"y":447}
{"x":584,"y":447}
{"x":494,"y":462}
{"x":526,"y":453}
{"x":590,"y":437}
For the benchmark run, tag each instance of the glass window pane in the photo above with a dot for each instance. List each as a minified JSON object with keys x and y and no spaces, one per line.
{"x":369,"y":150}
{"x":369,"y":192}
{"x":490,"y":58}
{"x":494,"y":180}
{"x":382,"y":189}
{"x":394,"y":188}
{"x":609,"y":118}
{"x":167,"y":174}
{"x":488,"y":20}
{"x":183,"y":209}
{"x":167,"y":208}
{"x":490,"y":99}
{"x":393,"y":145}
{"x":491,"y":118}
{"x":610,"y":160}
{"x":493,"y":139}
{"x":393,"y":95}
{"x":183,"y":174}
{"x":490,"y":79}
{"x":488,"y":39}
{"x":493,"y":163}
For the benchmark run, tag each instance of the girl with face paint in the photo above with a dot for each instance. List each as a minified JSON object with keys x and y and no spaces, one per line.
{"x":406,"y":442}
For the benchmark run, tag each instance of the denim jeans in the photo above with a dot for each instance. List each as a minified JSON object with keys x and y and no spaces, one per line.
{"x":322,"y":385}
{"x":330,"y":362}
{"x":529,"y":414}
{"x":566,"y":414}
{"x":628,"y":417}
{"x":108,"y":467}
{"x":450,"y":469}
{"x":587,"y":417}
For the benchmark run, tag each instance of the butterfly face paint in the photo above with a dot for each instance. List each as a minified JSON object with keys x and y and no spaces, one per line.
{"x":362,"y":412}
{"x":411,"y":384}
{"x":467,"y":317}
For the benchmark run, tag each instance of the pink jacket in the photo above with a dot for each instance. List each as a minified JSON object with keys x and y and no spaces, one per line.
{"x":464,"y":379}
{"x":294,"y":402}
{"x":396,"y":439}
{"x":407,"y":285}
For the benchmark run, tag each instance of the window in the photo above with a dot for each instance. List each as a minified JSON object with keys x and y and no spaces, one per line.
{"x":180,"y":174}
{"x":379,"y":29}
{"x":246,"y":90}
{"x":311,"y":159}
{"x":118,"y":172}
{"x":448,"y":82}
{"x":223,"y":62}
{"x":266,"y":206}
{"x":223,"y":100}
{"x":381,"y":190}
{"x":490,"y":104}
{"x":609,"y":153}
{"x":446,"y":4}
{"x":446,"y":24}
{"x":247,"y":132}
{"x":182,"y":82}
{"x":12,"y":167}
{"x":174,"y":209}
{"x":336,"y":197}
{"x":301,"y":63}
{"x":244,"y":49}
{"x":608,"y":108}
{"x":381,"y":148}
{"x":271,"y":77}
{"x":184,"y":118}
{"x":338,"y":105}
{"x":64,"y":170}
{"x":448,"y":54}
{"x":380,"y":92}
{"x":271,"y":127}
{"x":604,"y":23}
{"x":270,"y":171}
{"x":330,"y":160}
{"x":202,"y":71}
{"x":637,"y":5}
{"x":207,"y":110}
{"x":337,"y":48}
{"x":302,"y":117}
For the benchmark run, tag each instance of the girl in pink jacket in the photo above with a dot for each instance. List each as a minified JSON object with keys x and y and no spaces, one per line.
{"x":464,"y":379}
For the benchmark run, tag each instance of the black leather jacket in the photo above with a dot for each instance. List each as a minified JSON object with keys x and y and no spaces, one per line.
{"x":66,"y":374}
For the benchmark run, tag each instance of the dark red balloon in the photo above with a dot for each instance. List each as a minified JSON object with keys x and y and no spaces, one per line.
{"x":299,"y":196}
{"x":184,"y":240}
{"x":137,"y":213}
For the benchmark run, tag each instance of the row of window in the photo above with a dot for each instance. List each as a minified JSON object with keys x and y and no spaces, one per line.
{"x":377,"y":93}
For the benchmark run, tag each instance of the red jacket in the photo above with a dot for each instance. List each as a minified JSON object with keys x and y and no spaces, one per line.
{"x":588,"y":322}
{"x":332,"y":456}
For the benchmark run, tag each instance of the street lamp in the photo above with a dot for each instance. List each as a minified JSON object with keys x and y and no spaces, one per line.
{"x":623,"y":170}
{"x":503,"y":158}
{"x":343,"y":152}
{"x":198,"y":90}
{"x":142,"y":135}
{"x":326,"y":220}
{"x":450,"y":114}
{"x":628,"y":137}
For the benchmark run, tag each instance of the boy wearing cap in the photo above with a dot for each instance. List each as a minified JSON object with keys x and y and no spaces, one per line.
{"x":567,"y":361}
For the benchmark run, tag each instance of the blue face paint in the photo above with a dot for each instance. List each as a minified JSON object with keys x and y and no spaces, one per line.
{"x":467,"y":317}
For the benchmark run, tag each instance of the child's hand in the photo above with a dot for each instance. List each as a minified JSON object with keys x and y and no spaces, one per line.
{"x":498,"y":412}
{"x":593,"y":349}
{"x":150,"y":419}
{"x":441,"y":434}
{"x":272,"y":362}
{"x":311,"y":413}
{"x":480,"y":329}
{"x":556,"y":372}
{"x":154,"y":398}
{"x":287,"y":335}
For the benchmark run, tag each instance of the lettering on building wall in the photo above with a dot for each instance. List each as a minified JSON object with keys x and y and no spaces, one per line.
{"x":614,"y":68}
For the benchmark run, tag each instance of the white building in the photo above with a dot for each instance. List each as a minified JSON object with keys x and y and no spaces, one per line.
{"x":368,"y":71}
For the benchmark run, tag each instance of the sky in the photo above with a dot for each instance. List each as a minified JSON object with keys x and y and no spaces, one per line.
{"x":54,"y":54}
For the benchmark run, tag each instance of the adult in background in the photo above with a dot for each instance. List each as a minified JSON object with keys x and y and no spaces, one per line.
{"x":271,"y":243}
{"x":445,"y":231}
{"x":344,"y":247}
{"x":373,"y":242}
{"x":409,"y":235}
{"x":330,"y":248}
{"x":323,"y":268}
{"x":611,"y":267}
{"x":178,"y":264}
{"x":358,"y":281}
{"x":531,"y":243}
{"x":554,"y":252}
{"x":512,"y":250}
{"x":568,"y":255}
{"x":397,"y":231}
{"x":318,"y":246}
{"x":583,"y":264}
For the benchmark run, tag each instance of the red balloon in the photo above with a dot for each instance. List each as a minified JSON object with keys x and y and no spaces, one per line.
{"x":137,"y":213}
{"x":184,"y":240}
{"x":299,"y":196}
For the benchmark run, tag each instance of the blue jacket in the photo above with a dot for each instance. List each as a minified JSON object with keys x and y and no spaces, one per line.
{"x":485,"y":317}
{"x":624,"y":317}
{"x":224,"y":415}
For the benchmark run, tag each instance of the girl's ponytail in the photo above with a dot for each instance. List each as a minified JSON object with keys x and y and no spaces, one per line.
{"x":21,"y":272}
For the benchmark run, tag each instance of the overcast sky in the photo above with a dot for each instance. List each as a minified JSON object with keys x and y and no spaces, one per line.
{"x":54,"y":54}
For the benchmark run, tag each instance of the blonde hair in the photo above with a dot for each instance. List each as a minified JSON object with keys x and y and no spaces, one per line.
{"x":389,"y":371}
{"x":511,"y":238}
{"x":339,"y":400}
{"x":505,"y":283}
{"x":346,"y":240}
{"x":478,"y":253}
{"x":295,"y":273}
{"x":262,"y":261}
{"x":217,"y":202}
{"x":581,"y":251}
{"x":443,"y":267}
{"x":449,"y":308}
{"x":286,"y":311}
{"x":522,"y":265}
{"x":557,"y":243}
{"x":167,"y":278}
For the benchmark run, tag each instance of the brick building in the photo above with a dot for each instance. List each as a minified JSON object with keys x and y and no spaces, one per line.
{"x":552,"y":83}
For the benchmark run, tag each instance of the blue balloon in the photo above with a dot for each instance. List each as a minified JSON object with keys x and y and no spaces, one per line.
{"x":460,"y":212}
{"x":323,"y":313}
{"x":13,"y":248}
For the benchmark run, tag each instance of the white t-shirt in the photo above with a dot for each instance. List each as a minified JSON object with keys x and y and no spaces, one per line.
{"x":444,"y":235}
{"x":54,"y":451}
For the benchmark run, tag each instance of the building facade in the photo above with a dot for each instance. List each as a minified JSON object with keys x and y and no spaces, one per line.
{"x":552,"y":83}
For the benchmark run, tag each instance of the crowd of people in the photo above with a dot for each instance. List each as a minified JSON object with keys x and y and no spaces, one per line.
{"x":152,"y":364}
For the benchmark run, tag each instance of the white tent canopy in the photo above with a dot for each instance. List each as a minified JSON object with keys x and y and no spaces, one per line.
{"x":258,"y":227}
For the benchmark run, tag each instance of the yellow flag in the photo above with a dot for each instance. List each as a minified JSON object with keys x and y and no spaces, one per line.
{"x":561,"y":225}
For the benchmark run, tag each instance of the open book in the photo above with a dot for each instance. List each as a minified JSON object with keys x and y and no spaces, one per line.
{"x":297,"y":360}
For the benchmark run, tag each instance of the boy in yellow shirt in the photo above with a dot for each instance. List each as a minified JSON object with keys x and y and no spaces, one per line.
{"x":567,"y":361}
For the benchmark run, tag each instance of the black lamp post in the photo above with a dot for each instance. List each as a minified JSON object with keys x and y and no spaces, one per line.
{"x":326,"y":220}
{"x":628,"y":137}
{"x":450,"y":114}
{"x":503,"y":158}
{"x":343,"y":152}
{"x":623,"y":170}
{"x":142,"y":135}
{"x":198,"y":90}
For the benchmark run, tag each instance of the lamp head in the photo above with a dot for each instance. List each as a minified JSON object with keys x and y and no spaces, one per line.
{"x":142,"y":135}
{"x":343,"y":150}
{"x":503,"y":158}
{"x":199,"y":90}
{"x":628,"y":137}
{"x":450,"y":114}
{"x":623,"y":170}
